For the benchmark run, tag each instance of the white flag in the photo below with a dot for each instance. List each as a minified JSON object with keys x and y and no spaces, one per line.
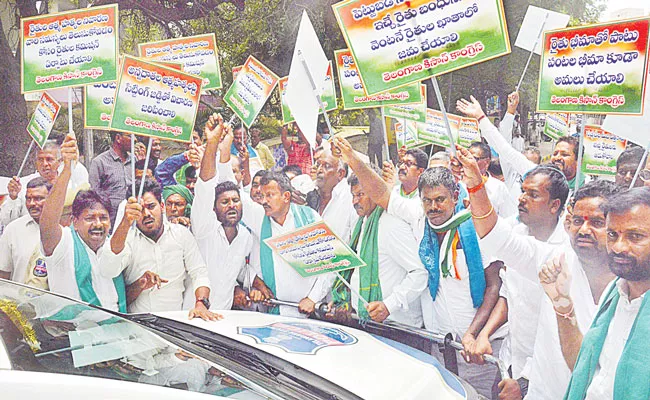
{"x":301,"y":96}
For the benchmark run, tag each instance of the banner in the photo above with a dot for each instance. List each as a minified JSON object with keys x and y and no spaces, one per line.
{"x":354,"y":96}
{"x":69,"y":49}
{"x":98,"y":105}
{"x":328,"y":97}
{"x":249,"y":92}
{"x":197,"y":54}
{"x":601,"y":150}
{"x":597,"y":69}
{"x":406,"y":132}
{"x":395,"y":43}
{"x":468,"y":131}
{"x":464,"y":130}
{"x":556,"y":125}
{"x":42,"y":121}
{"x":154,"y":100}
{"x":313,"y":250}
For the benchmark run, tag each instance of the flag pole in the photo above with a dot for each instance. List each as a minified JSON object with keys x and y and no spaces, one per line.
{"x":530,"y":56}
{"x":641,"y":166}
{"x":29,"y":150}
{"x":315,"y":89}
{"x":144,"y":171}
{"x":580,"y":151}
{"x":441,"y":104}
{"x":385,"y":137}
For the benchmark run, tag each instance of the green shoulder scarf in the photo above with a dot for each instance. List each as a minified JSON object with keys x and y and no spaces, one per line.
{"x":370,"y":287}
{"x":302,"y":216}
{"x":632,"y":379}
{"x":82,"y":271}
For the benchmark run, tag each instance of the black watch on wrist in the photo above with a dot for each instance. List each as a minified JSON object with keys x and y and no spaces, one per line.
{"x":205,"y":301}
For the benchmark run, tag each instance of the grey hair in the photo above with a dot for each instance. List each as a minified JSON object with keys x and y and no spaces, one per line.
{"x":442,"y":156}
{"x":52,"y":145}
{"x":437,"y":176}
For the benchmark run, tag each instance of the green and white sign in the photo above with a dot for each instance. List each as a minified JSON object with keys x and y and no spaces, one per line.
{"x":98,"y":105}
{"x":42,"y":121}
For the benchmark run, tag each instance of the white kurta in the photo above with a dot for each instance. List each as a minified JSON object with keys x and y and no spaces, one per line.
{"x":412,"y":206}
{"x":289,"y":285}
{"x":61,"y":272}
{"x":602,"y":385}
{"x":20,"y":253}
{"x":548,"y":374}
{"x":173,"y":257}
{"x":402,"y":276}
{"x":225,"y":260}
{"x":500,"y":197}
{"x":339,"y":214}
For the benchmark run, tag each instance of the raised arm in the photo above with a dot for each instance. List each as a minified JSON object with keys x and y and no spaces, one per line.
{"x":556,"y":281}
{"x":213,"y":130}
{"x":490,"y":132}
{"x":53,"y":208}
{"x":372,"y":183}
{"x":284,"y":135}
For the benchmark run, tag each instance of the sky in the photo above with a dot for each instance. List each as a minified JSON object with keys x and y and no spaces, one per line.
{"x":613,"y":5}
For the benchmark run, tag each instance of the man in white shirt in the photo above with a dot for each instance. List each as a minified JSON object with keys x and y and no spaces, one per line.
{"x":21,"y":259}
{"x":610,"y":360}
{"x":545,"y":192}
{"x":564,"y":156}
{"x":72,"y":253}
{"x":586,"y":251}
{"x":395,"y":268}
{"x":225,"y":244}
{"x":504,"y":204}
{"x":159,"y":249}
{"x":277,"y":215}
{"x":463,"y":287}
{"x":48,"y":166}
{"x":335,"y":200}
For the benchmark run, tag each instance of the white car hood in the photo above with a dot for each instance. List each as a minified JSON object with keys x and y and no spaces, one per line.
{"x":368,"y":366}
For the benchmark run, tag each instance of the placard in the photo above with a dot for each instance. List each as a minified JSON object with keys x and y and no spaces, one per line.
{"x":197,"y":54}
{"x":249,"y":92}
{"x":556,"y":125}
{"x":154,"y":100}
{"x":328,"y":97}
{"x":601,"y":150}
{"x":395,"y":43}
{"x":596,"y":69}
{"x":98,"y":105}
{"x":42,"y":121}
{"x":71,"y":48}
{"x":314,"y":250}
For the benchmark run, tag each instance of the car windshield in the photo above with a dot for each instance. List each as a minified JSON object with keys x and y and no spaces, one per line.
{"x":46,"y":333}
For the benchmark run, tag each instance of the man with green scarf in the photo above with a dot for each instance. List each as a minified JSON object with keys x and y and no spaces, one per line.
{"x":610,"y":361}
{"x":276,"y":215}
{"x":178,"y":204}
{"x":72,"y":253}
{"x":393,"y":278}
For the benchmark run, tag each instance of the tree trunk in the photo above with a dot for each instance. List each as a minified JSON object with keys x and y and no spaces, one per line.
{"x":13,"y":111}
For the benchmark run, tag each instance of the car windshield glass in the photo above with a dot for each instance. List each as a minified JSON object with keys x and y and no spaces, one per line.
{"x":45,"y":333}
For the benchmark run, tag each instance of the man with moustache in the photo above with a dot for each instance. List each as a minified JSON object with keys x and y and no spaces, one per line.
{"x":225,"y":244}
{"x":21,"y":259}
{"x":178,"y":202}
{"x":610,"y":359}
{"x":72,"y":253}
{"x":463,"y":286}
{"x":276,"y":216}
{"x":564,"y":156}
{"x":158,"y":252}
{"x":626,"y":166}
{"x":334,"y":197}
{"x":393,"y":278}
{"x":256,"y":187}
{"x":585,"y":251}
{"x":48,"y":167}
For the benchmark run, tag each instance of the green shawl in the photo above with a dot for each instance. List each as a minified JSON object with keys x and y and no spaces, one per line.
{"x":82,"y":270}
{"x":302,"y":216}
{"x":632,"y":379}
{"x":180,"y":190}
{"x":370,"y":287}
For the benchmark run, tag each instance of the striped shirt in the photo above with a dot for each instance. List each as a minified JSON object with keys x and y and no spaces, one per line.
{"x":110,"y":178}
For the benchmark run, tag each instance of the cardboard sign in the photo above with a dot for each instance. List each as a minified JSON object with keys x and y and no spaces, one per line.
{"x":154,"y":100}
{"x":596,"y":69}
{"x":531,"y":28}
{"x":413,"y":112}
{"x":235,"y":71}
{"x":464,"y":130}
{"x":42,"y":121}
{"x":197,"y":54}
{"x":601,"y":150}
{"x":313,"y":250}
{"x":395,"y":43}
{"x":328,"y":97}
{"x":249,"y":92}
{"x":632,"y":128}
{"x":98,"y":105}
{"x":71,"y":48}
{"x":354,"y":96}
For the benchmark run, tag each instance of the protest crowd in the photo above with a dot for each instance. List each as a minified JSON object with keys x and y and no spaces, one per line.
{"x":535,"y":262}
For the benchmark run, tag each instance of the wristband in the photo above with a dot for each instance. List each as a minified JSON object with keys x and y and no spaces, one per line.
{"x":477,"y":187}
{"x":480,"y":118}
